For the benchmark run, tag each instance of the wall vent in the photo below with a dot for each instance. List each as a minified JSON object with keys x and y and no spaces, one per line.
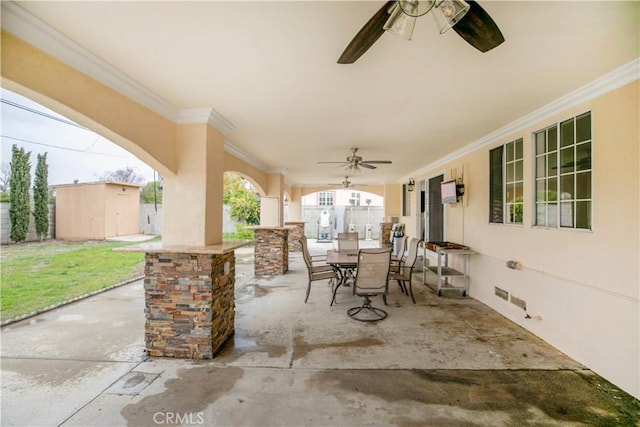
{"x":501,"y":293}
{"x":519,"y":302}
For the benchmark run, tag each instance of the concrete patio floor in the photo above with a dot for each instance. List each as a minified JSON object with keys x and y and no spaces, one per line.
{"x":444,"y":361}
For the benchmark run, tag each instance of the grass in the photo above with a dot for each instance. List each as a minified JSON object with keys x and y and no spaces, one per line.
{"x":40,"y":274}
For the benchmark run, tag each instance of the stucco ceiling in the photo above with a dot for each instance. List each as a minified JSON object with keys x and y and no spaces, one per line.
{"x":269,"y":68}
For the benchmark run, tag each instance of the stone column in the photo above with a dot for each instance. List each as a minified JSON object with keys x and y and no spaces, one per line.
{"x":385,"y":234}
{"x":271,"y":254}
{"x":189,"y":298}
{"x":295,"y":233}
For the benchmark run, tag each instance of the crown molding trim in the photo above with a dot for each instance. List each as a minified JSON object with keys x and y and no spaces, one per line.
{"x":235,"y":151}
{"x":205,"y":115}
{"x":615,"y":79}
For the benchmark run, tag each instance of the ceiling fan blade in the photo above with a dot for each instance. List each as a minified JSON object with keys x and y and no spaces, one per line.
{"x":478,"y":29}
{"x":367,"y":165}
{"x":367,"y":36}
{"x":378,"y":162}
{"x":342,"y":163}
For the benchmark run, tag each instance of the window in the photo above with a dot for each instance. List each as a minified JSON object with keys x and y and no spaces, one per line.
{"x":354,"y":200}
{"x":563,"y":174}
{"x":325,"y":198}
{"x":506,"y":172}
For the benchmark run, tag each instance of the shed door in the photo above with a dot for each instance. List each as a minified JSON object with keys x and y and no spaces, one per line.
{"x":123,"y":215}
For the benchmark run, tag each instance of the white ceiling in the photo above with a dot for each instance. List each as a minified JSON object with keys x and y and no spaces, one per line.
{"x":269,"y":68}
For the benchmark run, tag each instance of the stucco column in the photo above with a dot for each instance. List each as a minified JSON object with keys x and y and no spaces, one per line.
{"x":295,"y":204}
{"x":392,"y":201}
{"x":193,"y":196}
{"x":272,"y":203}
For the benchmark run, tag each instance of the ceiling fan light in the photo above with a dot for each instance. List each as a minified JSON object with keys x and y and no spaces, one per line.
{"x":352,"y":168}
{"x":447,"y":13}
{"x":416,"y":8}
{"x":399,"y":23}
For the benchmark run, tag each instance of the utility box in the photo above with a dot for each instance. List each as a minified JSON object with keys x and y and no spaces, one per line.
{"x":97,"y":210}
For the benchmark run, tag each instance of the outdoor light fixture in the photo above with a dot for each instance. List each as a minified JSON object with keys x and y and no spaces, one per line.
{"x":411,"y":185}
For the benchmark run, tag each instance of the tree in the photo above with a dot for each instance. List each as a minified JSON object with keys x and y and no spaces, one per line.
{"x":151,"y":193}
{"x":245,"y":203}
{"x":126,"y":174}
{"x":5,"y":176}
{"x":41,"y":196}
{"x":20,"y":182}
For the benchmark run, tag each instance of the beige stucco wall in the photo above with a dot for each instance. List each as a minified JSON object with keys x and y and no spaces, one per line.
{"x":32,"y":73}
{"x":96,"y":210}
{"x":581,"y":287}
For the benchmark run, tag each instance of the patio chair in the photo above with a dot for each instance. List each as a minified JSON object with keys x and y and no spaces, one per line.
{"x":348,"y":241}
{"x":403,"y":275}
{"x":372,"y":278}
{"x":397,"y":260}
{"x":317,"y":268}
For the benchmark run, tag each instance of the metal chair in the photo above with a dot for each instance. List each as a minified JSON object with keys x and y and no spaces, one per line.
{"x":316,"y":271}
{"x":348,"y":241}
{"x":405,"y":269}
{"x":372,"y":278}
{"x":397,"y":260}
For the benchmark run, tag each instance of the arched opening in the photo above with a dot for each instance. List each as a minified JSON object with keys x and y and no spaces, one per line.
{"x":335,"y":210}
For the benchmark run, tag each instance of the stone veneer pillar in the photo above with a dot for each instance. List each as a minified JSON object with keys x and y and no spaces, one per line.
{"x":385,"y":234}
{"x":295,"y":233}
{"x":271,"y":254}
{"x":189,"y":297}
{"x":190,"y":307}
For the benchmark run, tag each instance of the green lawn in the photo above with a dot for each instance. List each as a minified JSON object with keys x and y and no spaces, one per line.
{"x":39,"y":274}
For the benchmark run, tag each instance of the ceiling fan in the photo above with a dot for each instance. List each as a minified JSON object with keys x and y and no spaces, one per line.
{"x":347,"y":184}
{"x":467,"y":18}
{"x":354,"y":162}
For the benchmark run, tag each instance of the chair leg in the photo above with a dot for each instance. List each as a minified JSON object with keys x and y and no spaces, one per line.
{"x":411,"y":292}
{"x":384,"y":298}
{"x":308,"y":290}
{"x":402,"y":286}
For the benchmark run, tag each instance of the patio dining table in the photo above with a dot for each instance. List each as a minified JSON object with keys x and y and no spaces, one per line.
{"x":344,"y":262}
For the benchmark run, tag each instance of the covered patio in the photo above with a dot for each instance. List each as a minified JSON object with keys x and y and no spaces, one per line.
{"x":542,"y":131}
{"x":443,"y":361}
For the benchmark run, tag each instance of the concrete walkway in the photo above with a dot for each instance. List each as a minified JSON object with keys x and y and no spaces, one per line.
{"x":447,"y":361}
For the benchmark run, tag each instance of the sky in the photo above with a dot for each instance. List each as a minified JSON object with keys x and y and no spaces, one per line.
{"x":73,"y":152}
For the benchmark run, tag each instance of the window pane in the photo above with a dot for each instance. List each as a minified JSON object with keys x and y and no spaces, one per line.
{"x":583,"y":185}
{"x":583,"y":156}
{"x":519,"y":166}
{"x":541,"y":166}
{"x":511,"y":194}
{"x":552,"y":215}
{"x":566,"y":214}
{"x":566,"y":187}
{"x":515,"y":213}
{"x":519,"y":149}
{"x":552,"y":164}
{"x":566,"y":159}
{"x":552,"y":195}
{"x":541,"y":190}
{"x":510,"y":172}
{"x":583,"y":215}
{"x":517,"y":189}
{"x":510,"y":151}
{"x":583,"y":127}
{"x":541,"y":214}
{"x":540,"y":143}
{"x":553,"y":139}
{"x":566,"y":133}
